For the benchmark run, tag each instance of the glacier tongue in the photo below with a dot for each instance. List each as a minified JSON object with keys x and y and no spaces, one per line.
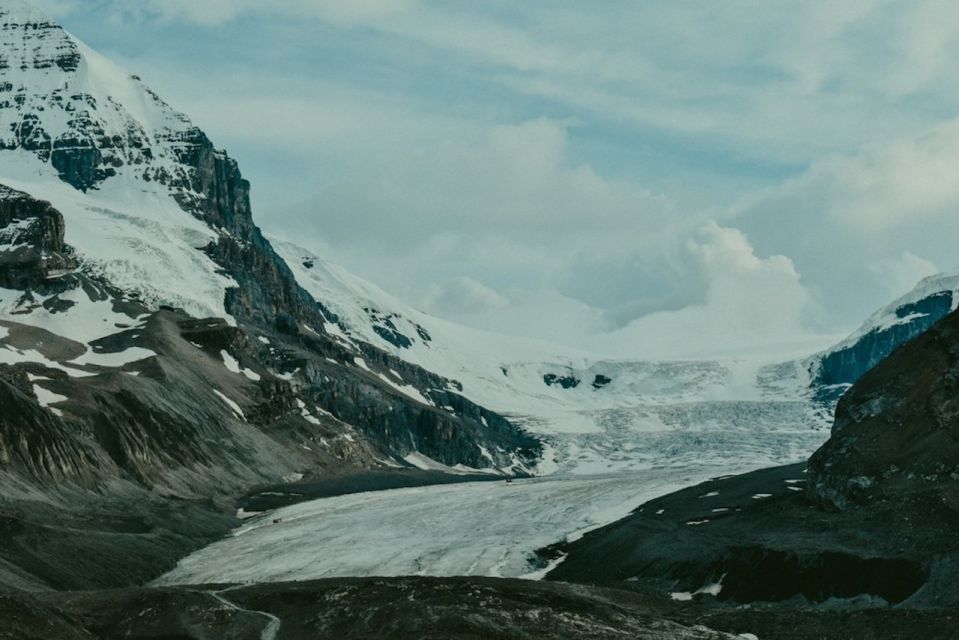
{"x":485,"y":528}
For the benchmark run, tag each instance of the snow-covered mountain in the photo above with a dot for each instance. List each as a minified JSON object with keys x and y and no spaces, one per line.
{"x":153,"y":346}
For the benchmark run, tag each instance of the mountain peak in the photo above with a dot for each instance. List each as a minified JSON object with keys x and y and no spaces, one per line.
{"x":76,"y":110}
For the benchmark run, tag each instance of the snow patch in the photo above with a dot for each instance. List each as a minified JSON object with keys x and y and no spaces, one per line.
{"x":233,"y":406}
{"x":712,"y":589}
{"x":233,"y":365}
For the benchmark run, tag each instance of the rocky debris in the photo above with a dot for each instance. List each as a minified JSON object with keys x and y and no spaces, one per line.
{"x":758,"y":540}
{"x":834,"y":371}
{"x":275,"y":496}
{"x":341,"y":609}
{"x":70,"y":538}
{"x":434,"y":608}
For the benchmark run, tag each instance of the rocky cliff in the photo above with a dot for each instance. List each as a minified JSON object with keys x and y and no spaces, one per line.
{"x":897,"y":429}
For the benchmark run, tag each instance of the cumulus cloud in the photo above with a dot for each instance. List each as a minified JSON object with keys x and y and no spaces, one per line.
{"x":847,"y":220}
{"x":752,"y":305}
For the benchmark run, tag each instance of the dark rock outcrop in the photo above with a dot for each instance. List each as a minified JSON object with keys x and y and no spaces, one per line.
{"x":32,"y":250}
{"x":601,"y":381}
{"x":565,"y":381}
{"x":897,"y":429}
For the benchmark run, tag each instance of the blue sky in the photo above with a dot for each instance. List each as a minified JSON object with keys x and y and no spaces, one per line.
{"x":595,"y":173}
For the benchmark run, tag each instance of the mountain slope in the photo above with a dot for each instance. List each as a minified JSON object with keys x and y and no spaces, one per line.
{"x":156,"y":356}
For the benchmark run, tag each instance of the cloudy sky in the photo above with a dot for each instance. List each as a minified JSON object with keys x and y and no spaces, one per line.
{"x":647,"y":178}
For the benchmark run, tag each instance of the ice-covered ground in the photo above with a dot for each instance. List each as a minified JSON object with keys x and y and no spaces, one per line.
{"x":624,"y":433}
{"x":482,"y":528}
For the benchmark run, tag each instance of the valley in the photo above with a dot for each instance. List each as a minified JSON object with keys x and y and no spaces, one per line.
{"x":211,"y":432}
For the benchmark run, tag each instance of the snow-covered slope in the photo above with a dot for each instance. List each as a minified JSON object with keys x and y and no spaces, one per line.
{"x":85,"y":135}
{"x":598,"y":414}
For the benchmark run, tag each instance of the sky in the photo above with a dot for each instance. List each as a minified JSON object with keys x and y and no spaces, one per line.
{"x":657,"y":178}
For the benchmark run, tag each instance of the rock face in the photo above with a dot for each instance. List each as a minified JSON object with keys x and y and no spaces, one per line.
{"x":897,"y":429}
{"x":32,"y":250}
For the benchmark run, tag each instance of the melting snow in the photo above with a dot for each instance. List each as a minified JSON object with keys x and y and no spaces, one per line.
{"x":233,"y":365}
{"x":407,"y":389}
{"x":46,"y":398}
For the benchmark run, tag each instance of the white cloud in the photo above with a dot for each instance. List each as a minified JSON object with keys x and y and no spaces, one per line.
{"x":753,"y":305}
{"x":901,"y":273}
{"x":505,"y":196}
{"x":56,"y":8}
{"x":544,"y":314}
{"x":903,"y":182}
{"x":847,"y":220}
{"x":218,"y":12}
{"x":461,"y":296}
{"x":436,"y":146}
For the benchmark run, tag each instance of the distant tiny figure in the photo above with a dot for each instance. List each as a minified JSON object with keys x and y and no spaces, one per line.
{"x":509,"y":480}
{"x":277,"y":520}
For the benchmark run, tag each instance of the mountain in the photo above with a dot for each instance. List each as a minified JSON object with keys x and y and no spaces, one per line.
{"x":162,"y":362}
{"x":157,"y":357}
